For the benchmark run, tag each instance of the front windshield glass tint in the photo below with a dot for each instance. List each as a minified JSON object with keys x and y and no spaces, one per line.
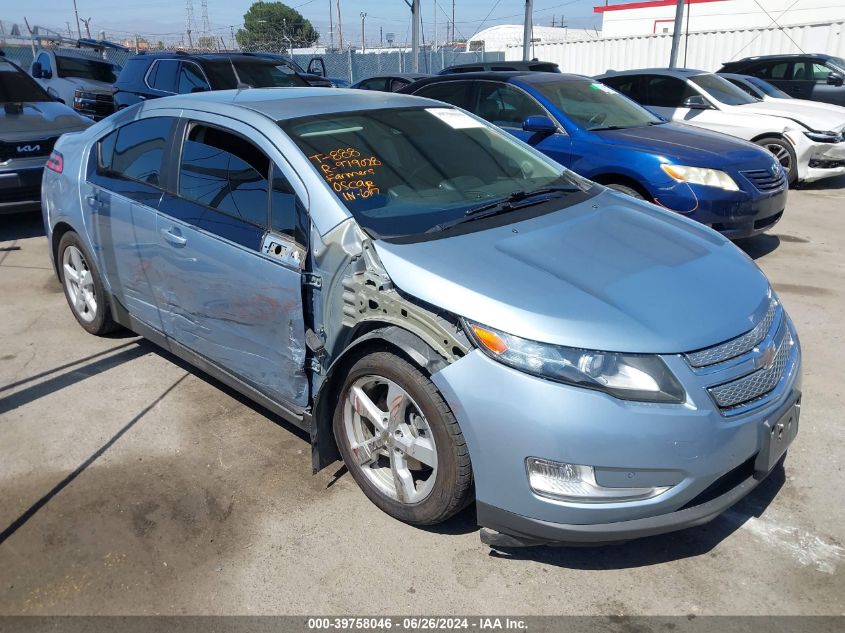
{"x":594,"y":106}
{"x":403,"y":171}
{"x":86,"y":69}
{"x":768,"y":89}
{"x":17,"y":87}
{"x":722,"y":90}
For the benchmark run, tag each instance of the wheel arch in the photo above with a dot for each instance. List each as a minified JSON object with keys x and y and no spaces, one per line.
{"x":56,"y":236}
{"x":369,"y":337}
{"x":609,"y":178}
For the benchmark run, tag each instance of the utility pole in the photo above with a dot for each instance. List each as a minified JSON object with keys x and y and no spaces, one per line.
{"x":339,"y":28}
{"x":232,"y":34}
{"x":434,"y":48}
{"x":453,"y":22}
{"x":69,"y":34}
{"x":676,"y":34}
{"x":381,"y":37}
{"x":363,"y":42}
{"x":331,"y":27}
{"x":415,"y":35}
{"x":528,"y":28}
{"x":87,"y":24}
{"x":76,"y":13}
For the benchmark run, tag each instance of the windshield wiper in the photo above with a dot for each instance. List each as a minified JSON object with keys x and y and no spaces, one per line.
{"x":607,"y":127}
{"x":516,"y":200}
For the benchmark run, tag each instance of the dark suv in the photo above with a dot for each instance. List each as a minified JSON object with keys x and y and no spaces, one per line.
{"x":815,"y":77}
{"x":149,"y":76}
{"x":534,"y":66}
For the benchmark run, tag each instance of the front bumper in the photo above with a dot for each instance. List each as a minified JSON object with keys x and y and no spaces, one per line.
{"x":20,"y":185}
{"x":691,"y":447}
{"x":734,"y":214}
{"x":815,"y":160}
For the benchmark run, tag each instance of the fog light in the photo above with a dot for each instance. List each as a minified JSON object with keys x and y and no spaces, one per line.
{"x":572,"y":482}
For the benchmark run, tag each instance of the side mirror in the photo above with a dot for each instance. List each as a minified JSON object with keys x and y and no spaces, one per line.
{"x":834,"y":79}
{"x":317,"y":66}
{"x":539,"y":124}
{"x":697,"y":102}
{"x":36,"y":70}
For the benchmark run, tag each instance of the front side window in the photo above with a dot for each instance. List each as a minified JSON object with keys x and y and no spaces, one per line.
{"x":135,"y":151}
{"x":768,"y":89}
{"x":722,"y":90}
{"x":594,"y":106}
{"x":403,"y":171}
{"x":505,"y":105}
{"x":191,"y":79}
{"x":747,"y":89}
{"x":666,"y":92}
{"x":777,"y":70}
{"x":374,"y":84}
{"x":226,"y":172}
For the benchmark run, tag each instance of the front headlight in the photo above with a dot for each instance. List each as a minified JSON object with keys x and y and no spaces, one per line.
{"x":824,"y":137}
{"x":642,"y":377}
{"x":701,"y":176}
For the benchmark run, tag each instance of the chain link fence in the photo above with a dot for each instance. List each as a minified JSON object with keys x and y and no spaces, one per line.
{"x":350,"y":65}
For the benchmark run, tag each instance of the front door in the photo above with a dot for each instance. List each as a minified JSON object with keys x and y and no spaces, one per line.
{"x":122,"y":192}
{"x":232,"y":245}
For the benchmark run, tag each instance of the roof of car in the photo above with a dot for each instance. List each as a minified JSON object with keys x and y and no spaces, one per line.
{"x":527,"y":76}
{"x":203,"y":56}
{"x":671,"y":72}
{"x":781,"y":56}
{"x":289,"y":103}
{"x":514,"y":64}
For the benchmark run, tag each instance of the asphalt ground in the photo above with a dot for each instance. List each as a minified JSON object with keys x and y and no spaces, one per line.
{"x":131,"y":483}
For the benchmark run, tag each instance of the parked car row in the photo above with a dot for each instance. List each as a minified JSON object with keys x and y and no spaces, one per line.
{"x":450,"y":311}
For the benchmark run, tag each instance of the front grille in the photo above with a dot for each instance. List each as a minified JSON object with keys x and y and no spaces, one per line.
{"x":769,"y":221}
{"x":26,"y":149}
{"x":737,"y":346}
{"x":764,"y":180}
{"x":758,"y":383}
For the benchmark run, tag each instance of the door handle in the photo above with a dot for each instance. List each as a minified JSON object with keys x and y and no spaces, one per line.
{"x":94,"y":202}
{"x":174,"y":238}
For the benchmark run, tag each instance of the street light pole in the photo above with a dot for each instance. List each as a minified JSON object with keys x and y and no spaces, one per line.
{"x":76,"y":13}
{"x":363,"y":43}
{"x":676,"y":34}
{"x":339,"y":28}
{"x":527,"y":30}
{"x":415,"y":35}
{"x":331,"y":27}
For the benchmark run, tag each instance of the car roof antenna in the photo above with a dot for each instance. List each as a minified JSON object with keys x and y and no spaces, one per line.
{"x":239,"y":85}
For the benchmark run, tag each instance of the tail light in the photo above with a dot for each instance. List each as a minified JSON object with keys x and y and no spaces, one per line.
{"x":56,"y":162}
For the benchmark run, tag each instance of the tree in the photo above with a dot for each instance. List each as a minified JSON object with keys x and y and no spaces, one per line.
{"x":273,"y":26}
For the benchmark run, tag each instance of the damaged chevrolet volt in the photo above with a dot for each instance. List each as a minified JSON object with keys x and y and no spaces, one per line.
{"x":455,"y":315}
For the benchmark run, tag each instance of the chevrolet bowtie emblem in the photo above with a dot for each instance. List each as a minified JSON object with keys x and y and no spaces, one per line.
{"x":766,"y":357}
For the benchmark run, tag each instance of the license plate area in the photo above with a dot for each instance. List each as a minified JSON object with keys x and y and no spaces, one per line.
{"x":776,"y":436}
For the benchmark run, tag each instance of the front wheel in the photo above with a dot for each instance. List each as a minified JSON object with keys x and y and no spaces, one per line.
{"x":628,"y":191}
{"x":401,"y":442}
{"x":782,"y":150}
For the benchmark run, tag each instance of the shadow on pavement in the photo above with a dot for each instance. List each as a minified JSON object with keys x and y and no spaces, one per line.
{"x":759,"y":245}
{"x":657,"y":549}
{"x":20,"y":226}
{"x":824,"y":185}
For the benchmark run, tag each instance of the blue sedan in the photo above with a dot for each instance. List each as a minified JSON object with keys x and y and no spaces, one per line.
{"x":733,"y":186}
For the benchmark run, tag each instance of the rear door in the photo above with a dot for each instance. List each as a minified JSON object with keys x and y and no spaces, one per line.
{"x":122,"y":191}
{"x":232,"y":241}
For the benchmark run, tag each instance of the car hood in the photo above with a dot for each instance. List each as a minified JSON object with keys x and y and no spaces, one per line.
{"x":40,"y":119}
{"x":91,"y":85}
{"x":685,"y":143}
{"x":813,"y":118}
{"x":609,"y":274}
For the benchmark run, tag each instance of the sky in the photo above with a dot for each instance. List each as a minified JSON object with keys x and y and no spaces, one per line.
{"x":165,"y":19}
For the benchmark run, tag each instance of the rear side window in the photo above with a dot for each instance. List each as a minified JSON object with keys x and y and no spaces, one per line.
{"x":453,"y":92}
{"x":378,"y":83}
{"x":225,"y":172}
{"x":163,"y":75}
{"x":135,"y":151}
{"x":776,"y":70}
{"x":504,"y":105}
{"x":191,"y":79}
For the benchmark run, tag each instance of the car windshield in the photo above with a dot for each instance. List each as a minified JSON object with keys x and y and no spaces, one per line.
{"x":86,"y":69}
{"x":838,"y":62}
{"x":722,"y":90}
{"x":254,"y":73}
{"x":404,"y":171}
{"x":768,"y":89}
{"x":18,"y":87}
{"x":595,"y":106}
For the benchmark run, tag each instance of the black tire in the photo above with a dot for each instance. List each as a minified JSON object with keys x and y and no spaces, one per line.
{"x":453,"y":487}
{"x":102,"y":322}
{"x":777,"y":146}
{"x":628,"y":191}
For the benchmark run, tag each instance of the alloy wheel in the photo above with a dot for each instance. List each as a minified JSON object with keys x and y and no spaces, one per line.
{"x":390,"y":439}
{"x":79,"y":284}
{"x":782,"y":155}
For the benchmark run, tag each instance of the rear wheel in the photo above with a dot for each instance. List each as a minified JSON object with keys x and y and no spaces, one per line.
{"x":401,"y":442}
{"x":782,"y":150}
{"x":83,"y":286}
{"x":628,"y":191}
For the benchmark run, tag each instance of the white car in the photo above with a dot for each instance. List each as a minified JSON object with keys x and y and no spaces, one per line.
{"x":808,"y":142}
{"x":81,"y":81}
{"x":762,"y":90}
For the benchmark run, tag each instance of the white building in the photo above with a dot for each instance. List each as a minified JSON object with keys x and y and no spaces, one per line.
{"x":658,"y":16}
{"x":498,"y":38}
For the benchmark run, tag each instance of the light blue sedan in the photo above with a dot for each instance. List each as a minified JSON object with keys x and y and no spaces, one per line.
{"x":454,"y":314}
